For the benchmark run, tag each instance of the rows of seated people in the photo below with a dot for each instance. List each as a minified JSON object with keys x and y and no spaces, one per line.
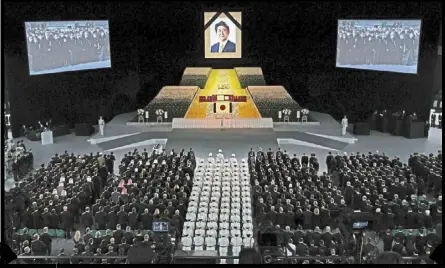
{"x":219,"y":215}
{"x":289,"y":192}
{"x":152,"y":187}
{"x":390,"y":190}
{"x":376,"y":183}
{"x":289,"y":195}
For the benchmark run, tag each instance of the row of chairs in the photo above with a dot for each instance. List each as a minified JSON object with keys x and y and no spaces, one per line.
{"x":220,"y":208}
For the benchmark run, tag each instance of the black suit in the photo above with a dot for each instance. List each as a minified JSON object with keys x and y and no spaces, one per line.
{"x":86,"y":220}
{"x":101,"y":220}
{"x":67,"y":223}
{"x":47,"y":240}
{"x":122,"y":218}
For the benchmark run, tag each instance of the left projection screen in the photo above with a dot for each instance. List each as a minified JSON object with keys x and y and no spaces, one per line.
{"x":65,"y":46}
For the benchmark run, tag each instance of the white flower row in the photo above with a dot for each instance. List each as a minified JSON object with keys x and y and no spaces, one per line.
{"x":249,"y":71}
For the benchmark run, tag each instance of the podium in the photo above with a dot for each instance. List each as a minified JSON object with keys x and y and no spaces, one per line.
{"x":362,"y":129}
{"x":47,"y":137}
{"x":383,"y":124}
{"x":395,"y":126}
{"x":414,"y":130}
{"x":373,"y":121}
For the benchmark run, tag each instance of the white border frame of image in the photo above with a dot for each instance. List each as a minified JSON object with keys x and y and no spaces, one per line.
{"x":26,"y":40}
{"x":374,"y":70}
{"x":237,"y":15}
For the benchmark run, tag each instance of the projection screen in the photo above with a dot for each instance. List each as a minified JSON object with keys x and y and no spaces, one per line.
{"x":222,"y":35}
{"x":63,"y":46}
{"x":380,"y":45}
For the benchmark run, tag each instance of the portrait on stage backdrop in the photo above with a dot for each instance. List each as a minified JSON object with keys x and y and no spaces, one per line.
{"x":221,"y":37}
{"x":222,"y":34}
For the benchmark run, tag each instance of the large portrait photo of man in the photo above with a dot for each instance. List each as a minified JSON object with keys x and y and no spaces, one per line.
{"x":224,"y":44}
{"x":222,"y":34}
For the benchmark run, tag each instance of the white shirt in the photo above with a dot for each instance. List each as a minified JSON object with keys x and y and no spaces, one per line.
{"x":248,"y":242}
{"x":213,"y":217}
{"x":216,"y":194}
{"x":248,"y":227}
{"x":220,"y":156}
{"x":101,"y":122}
{"x":206,"y":190}
{"x":187,"y":232}
{"x":225,"y":204}
{"x":198,"y":241}
{"x":237,"y":241}
{"x":235,"y":211}
{"x":247,"y":234}
{"x":224,"y":226}
{"x":236,"y":190}
{"x":202,"y":217}
{"x":224,"y":213}
{"x":234,"y":233}
{"x":189,"y":224}
{"x":191,"y":217}
{"x":210,"y":241}
{"x":200,"y":225}
{"x":235,"y":218}
{"x":203,"y":210}
{"x":247,"y":219}
{"x":224,"y":233}
{"x":226,"y":190}
{"x":194,"y":203}
{"x":187,"y":242}
{"x":236,"y":199}
{"x":211,"y":233}
{"x":246,"y":189}
{"x":344,"y":122}
{"x":235,"y":225}
{"x":212,"y":225}
{"x":200,"y":232}
{"x":288,"y":252}
{"x":223,"y":242}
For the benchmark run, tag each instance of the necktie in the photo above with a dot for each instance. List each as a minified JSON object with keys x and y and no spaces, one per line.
{"x":221,"y":47}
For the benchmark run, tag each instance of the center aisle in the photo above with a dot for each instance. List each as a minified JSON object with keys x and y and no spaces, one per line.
{"x":219,"y":215}
{"x":222,"y":81}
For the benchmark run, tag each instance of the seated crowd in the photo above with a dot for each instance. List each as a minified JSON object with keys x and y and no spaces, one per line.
{"x":120,"y":209}
{"x":219,"y":213}
{"x":289,"y":193}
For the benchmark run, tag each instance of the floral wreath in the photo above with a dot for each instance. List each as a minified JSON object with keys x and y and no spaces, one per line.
{"x":140,"y":111}
{"x":287,"y":112}
{"x":159,"y":112}
{"x":305,"y":111}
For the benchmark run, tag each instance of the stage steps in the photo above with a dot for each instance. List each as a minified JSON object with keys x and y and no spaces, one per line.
{"x":271,"y":99}
{"x":222,"y":81}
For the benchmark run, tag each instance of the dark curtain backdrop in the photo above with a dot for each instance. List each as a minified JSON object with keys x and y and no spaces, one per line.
{"x":152,"y":43}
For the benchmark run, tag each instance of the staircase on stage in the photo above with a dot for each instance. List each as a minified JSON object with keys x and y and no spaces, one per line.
{"x":220,"y":98}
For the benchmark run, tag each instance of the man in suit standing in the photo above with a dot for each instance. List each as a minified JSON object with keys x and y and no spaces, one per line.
{"x":224,"y":45}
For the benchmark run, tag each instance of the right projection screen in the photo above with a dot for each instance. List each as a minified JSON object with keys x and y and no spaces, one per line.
{"x":380,"y":45}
